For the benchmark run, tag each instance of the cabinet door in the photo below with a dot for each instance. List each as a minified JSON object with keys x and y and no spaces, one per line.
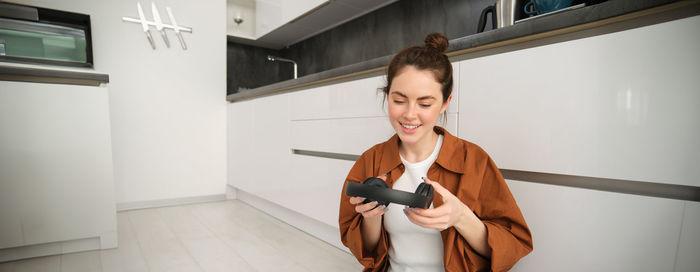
{"x":356,"y":98}
{"x":56,"y":170}
{"x":605,"y":106}
{"x":687,"y":259}
{"x":271,"y":14}
{"x":347,"y":135}
{"x":267,"y":160}
{"x":586,"y":230}
{"x":315,"y":187}
{"x":351,"y":99}
{"x":240,"y":142}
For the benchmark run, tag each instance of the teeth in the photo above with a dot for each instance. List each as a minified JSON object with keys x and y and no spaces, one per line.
{"x":409,"y":127}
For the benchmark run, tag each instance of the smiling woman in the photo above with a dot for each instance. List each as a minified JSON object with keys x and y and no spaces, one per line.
{"x":474,"y":225}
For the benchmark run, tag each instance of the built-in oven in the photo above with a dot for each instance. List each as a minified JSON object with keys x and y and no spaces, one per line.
{"x":45,"y":36}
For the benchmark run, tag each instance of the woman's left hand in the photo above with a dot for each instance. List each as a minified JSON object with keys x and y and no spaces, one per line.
{"x":440,"y":218}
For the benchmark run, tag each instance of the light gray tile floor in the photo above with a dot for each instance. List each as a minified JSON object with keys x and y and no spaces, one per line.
{"x":216,"y":236}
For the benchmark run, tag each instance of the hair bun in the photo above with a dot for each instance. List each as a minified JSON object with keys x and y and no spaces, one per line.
{"x":436,"y":41}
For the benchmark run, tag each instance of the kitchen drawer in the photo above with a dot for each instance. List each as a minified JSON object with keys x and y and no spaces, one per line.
{"x":587,"y":230}
{"x":347,"y":136}
{"x":687,"y":259}
{"x":356,"y":98}
{"x":314,"y":187}
{"x":605,"y":106}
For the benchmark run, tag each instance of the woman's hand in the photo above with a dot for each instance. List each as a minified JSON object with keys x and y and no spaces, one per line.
{"x":368,"y":210}
{"x":452,"y":213}
{"x":440,"y":218}
{"x":372,"y":220}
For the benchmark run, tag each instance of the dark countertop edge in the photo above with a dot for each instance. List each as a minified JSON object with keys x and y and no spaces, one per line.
{"x":48,"y":75}
{"x":567,"y":19}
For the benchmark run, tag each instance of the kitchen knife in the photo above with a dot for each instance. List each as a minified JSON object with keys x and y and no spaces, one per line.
{"x":159,"y":24}
{"x":145,"y":27}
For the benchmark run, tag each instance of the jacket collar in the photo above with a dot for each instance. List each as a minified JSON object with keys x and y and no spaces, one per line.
{"x":451,"y":157}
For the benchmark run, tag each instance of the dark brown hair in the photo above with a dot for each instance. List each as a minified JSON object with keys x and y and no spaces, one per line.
{"x":428,"y":57}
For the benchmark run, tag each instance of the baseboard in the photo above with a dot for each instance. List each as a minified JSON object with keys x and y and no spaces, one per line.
{"x":135,"y":205}
{"x":231,"y":192}
{"x":318,"y":229}
{"x":55,"y":248}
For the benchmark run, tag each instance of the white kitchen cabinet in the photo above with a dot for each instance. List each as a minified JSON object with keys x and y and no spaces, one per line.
{"x":244,"y":9}
{"x":315,"y":186}
{"x":620,"y":105}
{"x":587,"y":230}
{"x":264,"y":164}
{"x":56,"y":173}
{"x":347,"y":135}
{"x":356,"y":98}
{"x":271,"y":14}
{"x":352,"y":99}
{"x":240,"y":142}
{"x":689,"y":242}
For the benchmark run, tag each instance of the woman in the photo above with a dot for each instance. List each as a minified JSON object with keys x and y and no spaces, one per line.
{"x":474,"y":223}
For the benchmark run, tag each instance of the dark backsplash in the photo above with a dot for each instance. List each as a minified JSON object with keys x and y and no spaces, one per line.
{"x":386,"y":31}
{"x":379,"y":33}
{"x":247,"y":67}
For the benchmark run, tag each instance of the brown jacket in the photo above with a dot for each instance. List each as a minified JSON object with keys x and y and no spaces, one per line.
{"x":465,"y":170}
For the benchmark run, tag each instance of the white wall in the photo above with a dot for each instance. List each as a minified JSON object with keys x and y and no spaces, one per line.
{"x":168,"y":107}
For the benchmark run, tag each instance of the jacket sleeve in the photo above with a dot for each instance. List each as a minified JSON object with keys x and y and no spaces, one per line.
{"x":508,"y":235}
{"x":350,"y":222}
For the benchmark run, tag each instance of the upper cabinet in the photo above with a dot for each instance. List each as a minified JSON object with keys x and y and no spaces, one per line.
{"x":272,"y":14}
{"x":240,"y":18}
{"x":278,"y":23}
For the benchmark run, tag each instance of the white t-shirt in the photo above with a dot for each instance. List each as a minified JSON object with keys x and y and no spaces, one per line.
{"x":412,"y":247}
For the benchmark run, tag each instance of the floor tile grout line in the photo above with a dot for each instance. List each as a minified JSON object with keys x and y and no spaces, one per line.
{"x":291,"y":227}
{"x":304,"y":236}
{"x":218,"y":236}
{"x":262,"y":239}
{"x":99,"y":257}
{"x":179,"y":239}
{"x":138,"y":243}
{"x":275,"y":221}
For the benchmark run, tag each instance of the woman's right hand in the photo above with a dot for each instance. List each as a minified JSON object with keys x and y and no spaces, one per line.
{"x":371,"y":219}
{"x":368,"y":210}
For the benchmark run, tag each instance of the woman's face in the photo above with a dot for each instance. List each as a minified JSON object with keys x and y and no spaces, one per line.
{"x":415,"y":103}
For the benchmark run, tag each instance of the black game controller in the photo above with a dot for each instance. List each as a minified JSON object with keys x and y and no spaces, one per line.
{"x":375,"y":189}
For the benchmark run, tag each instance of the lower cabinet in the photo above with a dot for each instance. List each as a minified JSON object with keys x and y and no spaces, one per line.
{"x":259,"y":145}
{"x":240,"y":142}
{"x":56,"y":171}
{"x":316,"y":186}
{"x":587,"y":230}
{"x":689,"y":246}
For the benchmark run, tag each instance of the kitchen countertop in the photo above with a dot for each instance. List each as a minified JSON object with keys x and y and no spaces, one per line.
{"x":40,"y":73}
{"x":609,"y":12}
